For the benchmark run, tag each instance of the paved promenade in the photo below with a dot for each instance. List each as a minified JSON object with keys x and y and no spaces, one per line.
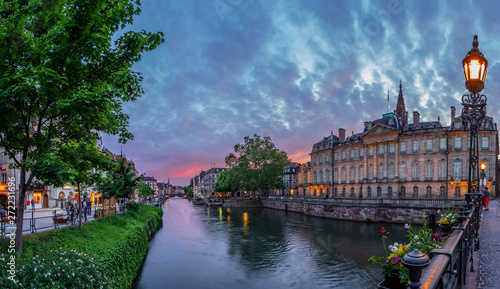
{"x":43,"y":220}
{"x":488,"y":269}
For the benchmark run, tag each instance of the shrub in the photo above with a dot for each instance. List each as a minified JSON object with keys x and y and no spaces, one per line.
{"x":133,"y":206}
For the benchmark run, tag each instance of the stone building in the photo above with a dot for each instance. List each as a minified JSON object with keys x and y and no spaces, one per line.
{"x":208,"y":180}
{"x":290,"y":180}
{"x":392,"y":158}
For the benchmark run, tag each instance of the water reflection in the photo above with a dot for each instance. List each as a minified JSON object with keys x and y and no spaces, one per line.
{"x":260,"y":248}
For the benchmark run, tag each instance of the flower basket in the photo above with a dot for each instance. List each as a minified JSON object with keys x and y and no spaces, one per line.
{"x":392,"y":282}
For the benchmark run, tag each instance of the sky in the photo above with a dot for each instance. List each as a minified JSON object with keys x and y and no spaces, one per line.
{"x":295,"y":71}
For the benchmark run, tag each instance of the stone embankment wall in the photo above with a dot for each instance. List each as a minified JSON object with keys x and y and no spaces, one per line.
{"x":242,"y":204}
{"x":361,"y":213}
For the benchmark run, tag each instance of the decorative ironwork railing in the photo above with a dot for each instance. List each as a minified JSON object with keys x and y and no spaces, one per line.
{"x":450,"y":266}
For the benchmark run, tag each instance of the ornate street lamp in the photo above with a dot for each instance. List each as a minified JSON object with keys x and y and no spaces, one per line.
{"x":483,"y":175}
{"x":473,"y":113}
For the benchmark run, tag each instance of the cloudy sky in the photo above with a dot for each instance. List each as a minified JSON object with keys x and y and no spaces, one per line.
{"x":295,"y":70}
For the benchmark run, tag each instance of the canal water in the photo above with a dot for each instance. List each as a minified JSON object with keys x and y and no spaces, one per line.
{"x":200,"y":247}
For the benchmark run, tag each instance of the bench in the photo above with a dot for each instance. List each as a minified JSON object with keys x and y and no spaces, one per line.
{"x":60,"y":220}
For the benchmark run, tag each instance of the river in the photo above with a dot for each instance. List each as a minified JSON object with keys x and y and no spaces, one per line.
{"x":200,"y":247}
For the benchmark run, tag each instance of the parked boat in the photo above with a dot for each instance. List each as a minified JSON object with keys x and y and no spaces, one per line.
{"x":198,"y":202}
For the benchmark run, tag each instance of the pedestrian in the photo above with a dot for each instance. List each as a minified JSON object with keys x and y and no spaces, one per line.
{"x":89,"y":207}
{"x":486,"y":199}
{"x":27,"y":205}
{"x":84,"y":207}
{"x":326,"y":197}
{"x":32,"y":204}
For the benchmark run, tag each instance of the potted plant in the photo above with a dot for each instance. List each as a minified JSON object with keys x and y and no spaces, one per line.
{"x":448,"y":219}
{"x":395,"y":274}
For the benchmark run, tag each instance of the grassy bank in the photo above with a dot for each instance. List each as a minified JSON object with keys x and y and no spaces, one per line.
{"x":106,"y":253}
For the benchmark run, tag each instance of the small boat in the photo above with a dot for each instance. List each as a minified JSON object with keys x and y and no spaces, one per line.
{"x":198,"y":202}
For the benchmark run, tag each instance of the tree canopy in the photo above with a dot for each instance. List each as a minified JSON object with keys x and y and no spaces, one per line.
{"x":144,"y":190}
{"x":228,"y":181}
{"x":65,"y":75}
{"x":256,"y":164}
{"x":120,"y":181}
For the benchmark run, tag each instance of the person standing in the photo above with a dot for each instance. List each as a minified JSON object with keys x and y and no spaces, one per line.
{"x":32,"y":204}
{"x":27,"y":205}
{"x":486,"y":199}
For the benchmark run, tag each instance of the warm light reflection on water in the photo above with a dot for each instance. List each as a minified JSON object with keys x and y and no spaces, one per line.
{"x":201,"y":247}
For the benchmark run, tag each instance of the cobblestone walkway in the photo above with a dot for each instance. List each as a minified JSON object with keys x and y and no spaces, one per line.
{"x":488,"y":271}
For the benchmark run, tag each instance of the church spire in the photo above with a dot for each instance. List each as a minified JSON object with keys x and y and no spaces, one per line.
{"x":400,"y":111}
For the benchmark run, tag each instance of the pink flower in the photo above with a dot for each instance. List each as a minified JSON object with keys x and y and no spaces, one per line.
{"x":395,"y":260}
{"x":382,"y":230}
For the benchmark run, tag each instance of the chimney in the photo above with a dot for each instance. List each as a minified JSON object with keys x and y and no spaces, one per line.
{"x":367,"y":123}
{"x":341,"y":134}
{"x":452,"y":113}
{"x":416,"y":118}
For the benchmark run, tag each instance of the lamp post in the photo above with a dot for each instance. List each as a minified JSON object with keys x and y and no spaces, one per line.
{"x":473,"y":113}
{"x":483,"y":176}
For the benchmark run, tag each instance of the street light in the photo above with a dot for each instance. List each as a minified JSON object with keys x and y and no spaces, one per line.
{"x":483,"y":175}
{"x":473,"y":112}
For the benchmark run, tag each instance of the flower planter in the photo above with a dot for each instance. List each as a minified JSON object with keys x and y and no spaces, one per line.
{"x":391,"y":282}
{"x":446,"y":228}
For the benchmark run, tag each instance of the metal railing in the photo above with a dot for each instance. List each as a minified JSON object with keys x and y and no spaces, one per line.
{"x":31,"y":225}
{"x":397,"y":202}
{"x":450,"y":266}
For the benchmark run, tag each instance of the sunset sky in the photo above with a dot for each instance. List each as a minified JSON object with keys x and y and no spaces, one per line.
{"x":294,"y":71}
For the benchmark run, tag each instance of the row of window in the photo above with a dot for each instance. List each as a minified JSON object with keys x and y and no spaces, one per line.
{"x":318,"y":160}
{"x":402,"y":193}
{"x":324,"y":175}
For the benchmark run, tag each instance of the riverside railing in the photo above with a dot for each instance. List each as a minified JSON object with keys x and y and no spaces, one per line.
{"x":450,"y":266}
{"x":400,"y":202}
{"x":32,"y":225}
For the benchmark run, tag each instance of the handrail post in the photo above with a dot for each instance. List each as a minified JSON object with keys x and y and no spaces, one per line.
{"x":415,"y":261}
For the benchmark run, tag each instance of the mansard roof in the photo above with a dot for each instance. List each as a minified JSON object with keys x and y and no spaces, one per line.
{"x":459,"y":124}
{"x":325,"y":143}
{"x":424,"y":125}
{"x":388,"y":119}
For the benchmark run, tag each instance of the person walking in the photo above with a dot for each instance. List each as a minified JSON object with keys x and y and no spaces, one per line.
{"x":486,"y":199}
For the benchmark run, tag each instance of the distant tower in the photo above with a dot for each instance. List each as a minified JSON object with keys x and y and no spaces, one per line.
{"x":400,"y":111}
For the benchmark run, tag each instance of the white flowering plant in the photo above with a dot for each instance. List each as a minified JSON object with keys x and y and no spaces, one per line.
{"x":449,"y":217}
{"x":422,"y":239}
{"x":59,"y":269}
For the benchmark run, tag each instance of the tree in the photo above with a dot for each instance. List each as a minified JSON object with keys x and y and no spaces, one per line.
{"x":120,"y":181}
{"x":64,"y":77}
{"x":145,"y":190}
{"x":258,"y":165}
{"x":85,"y":163}
{"x":228,"y":181}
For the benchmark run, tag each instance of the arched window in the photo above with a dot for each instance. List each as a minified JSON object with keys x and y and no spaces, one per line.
{"x":352,"y":192}
{"x":321,"y":176}
{"x":457,"y":192}
{"x":314,"y":193}
{"x":304,"y":192}
{"x":320,"y":192}
{"x":343,"y":193}
{"x":361,"y":192}
{"x":428,"y":192}
{"x":442,"y":192}
{"x":389,"y":192}
{"x":402,"y":193}
{"x":369,"y":192}
{"x":379,"y":192}
{"x":415,"y":192}
{"x":336,"y":192}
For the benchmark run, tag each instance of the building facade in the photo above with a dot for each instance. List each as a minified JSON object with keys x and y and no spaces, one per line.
{"x":392,"y":158}
{"x":208,"y":180}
